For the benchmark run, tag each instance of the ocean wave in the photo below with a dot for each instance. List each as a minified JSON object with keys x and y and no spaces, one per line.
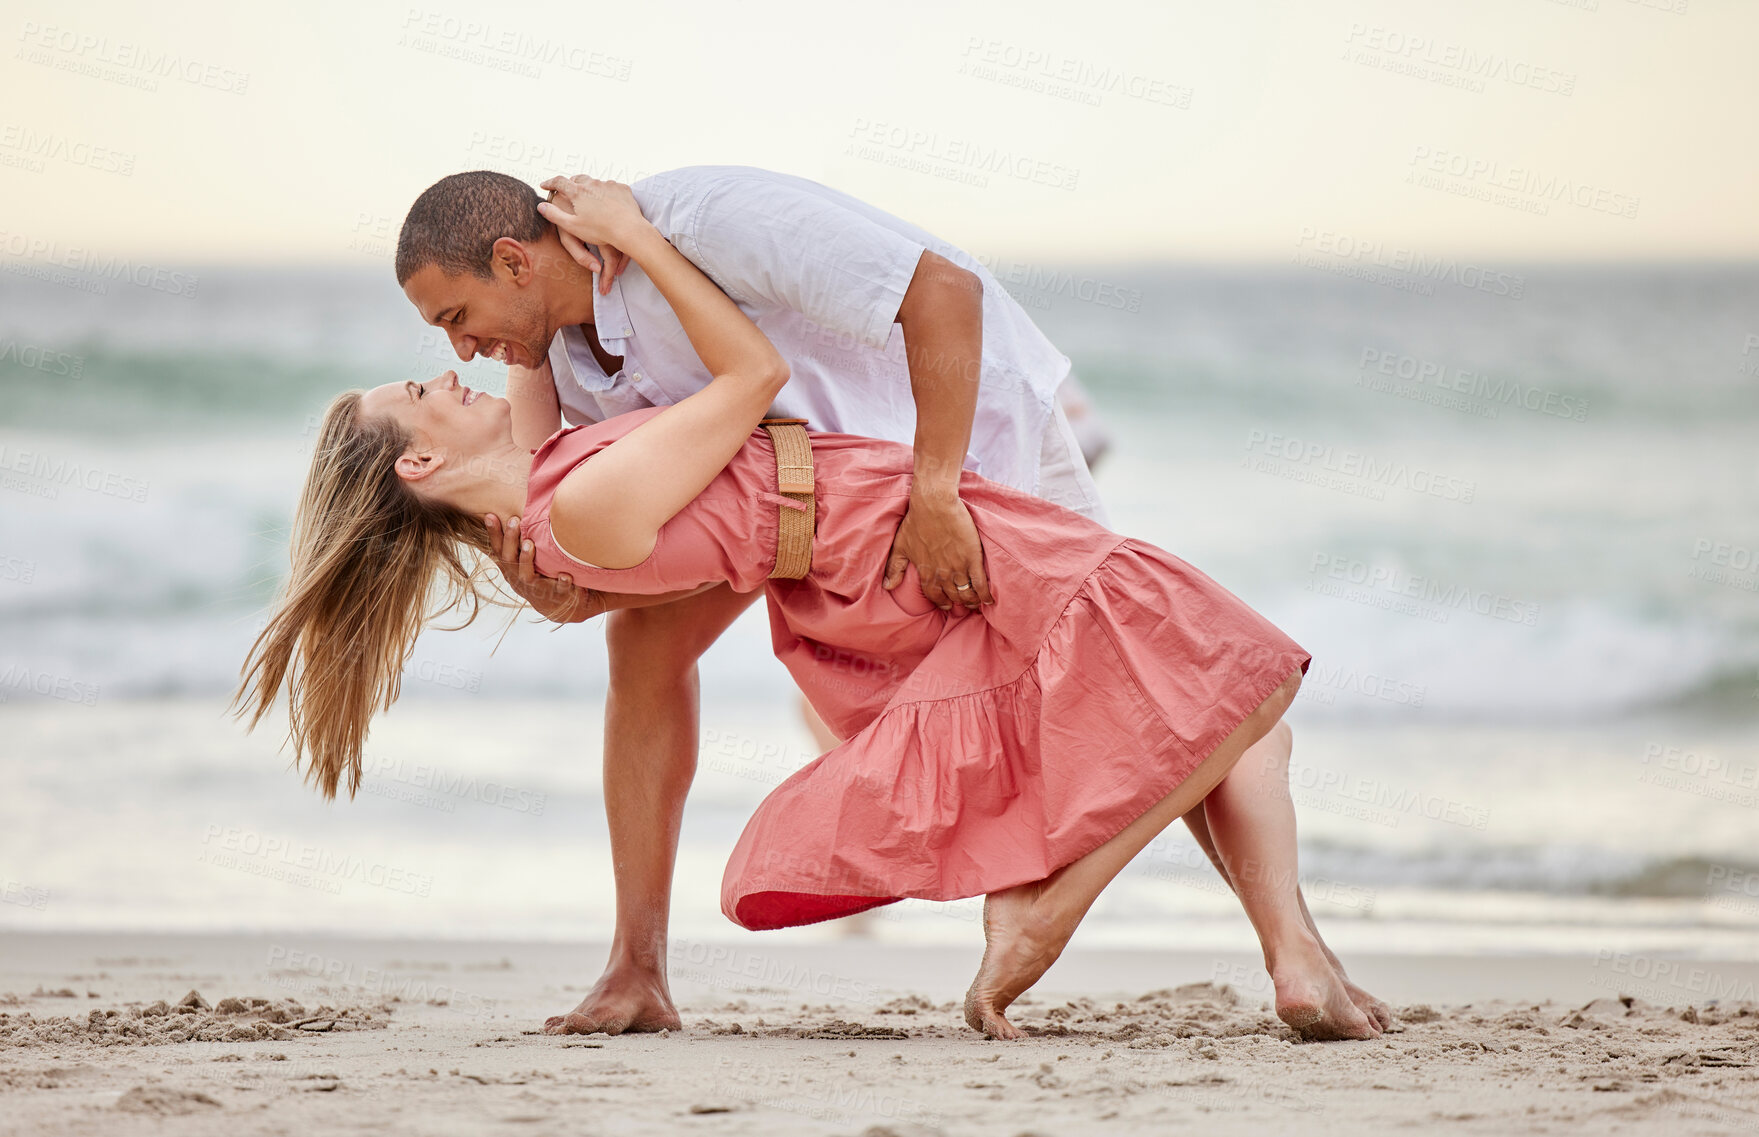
{"x":254,"y":344}
{"x":146,"y":533}
{"x":1556,"y":870}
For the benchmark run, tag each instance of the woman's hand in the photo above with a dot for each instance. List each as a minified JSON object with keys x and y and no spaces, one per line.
{"x":586,"y":211}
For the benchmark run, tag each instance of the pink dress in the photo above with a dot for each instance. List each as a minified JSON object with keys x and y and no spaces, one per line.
{"x":983,"y":750}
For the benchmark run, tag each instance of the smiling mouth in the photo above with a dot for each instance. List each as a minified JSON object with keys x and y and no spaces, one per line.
{"x":470,"y":396}
{"x":501,"y":354}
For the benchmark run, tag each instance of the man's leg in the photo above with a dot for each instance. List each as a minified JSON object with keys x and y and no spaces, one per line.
{"x":822,"y":735}
{"x":651,"y":741}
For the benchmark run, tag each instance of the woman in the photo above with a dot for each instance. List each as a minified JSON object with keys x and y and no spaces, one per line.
{"x":1025,"y":752}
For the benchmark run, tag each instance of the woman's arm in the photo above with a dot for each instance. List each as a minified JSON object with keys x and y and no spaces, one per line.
{"x":609,"y":511}
{"x":595,"y":212}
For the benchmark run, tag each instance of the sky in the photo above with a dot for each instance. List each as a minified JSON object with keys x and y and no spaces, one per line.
{"x":1156,"y":130}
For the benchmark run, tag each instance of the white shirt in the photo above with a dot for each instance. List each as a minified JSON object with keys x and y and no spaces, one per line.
{"x":822,"y":274}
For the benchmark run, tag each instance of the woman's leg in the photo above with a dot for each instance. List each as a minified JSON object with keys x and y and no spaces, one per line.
{"x":1270,"y":756}
{"x":1027,"y":927}
{"x":1252,"y":822}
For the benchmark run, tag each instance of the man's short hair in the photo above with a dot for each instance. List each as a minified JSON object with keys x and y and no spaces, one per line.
{"x":457,"y":220}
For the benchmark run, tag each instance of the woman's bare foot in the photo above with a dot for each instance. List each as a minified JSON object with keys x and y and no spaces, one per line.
{"x":620,"y":1002}
{"x":1019,"y":945}
{"x":1368,"y":1004}
{"x":1314,"y":999}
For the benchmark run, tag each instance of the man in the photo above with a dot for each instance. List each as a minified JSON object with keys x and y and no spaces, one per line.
{"x":888,"y":332}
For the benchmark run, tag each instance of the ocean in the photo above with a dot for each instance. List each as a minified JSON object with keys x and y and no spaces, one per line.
{"x":1511,"y":514}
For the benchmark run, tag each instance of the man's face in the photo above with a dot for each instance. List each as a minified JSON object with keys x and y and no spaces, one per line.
{"x":502,"y":317}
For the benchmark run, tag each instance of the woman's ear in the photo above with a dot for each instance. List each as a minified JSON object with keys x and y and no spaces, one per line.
{"x":413,"y":467}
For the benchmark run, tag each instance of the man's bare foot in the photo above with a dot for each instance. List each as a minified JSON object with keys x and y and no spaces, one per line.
{"x":621,"y":1001}
{"x":1019,"y":944}
{"x":1314,"y":999}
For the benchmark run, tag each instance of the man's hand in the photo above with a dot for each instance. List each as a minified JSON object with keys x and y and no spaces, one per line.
{"x":556,"y":600}
{"x":586,"y":210}
{"x":941,"y":316}
{"x":940,"y":539}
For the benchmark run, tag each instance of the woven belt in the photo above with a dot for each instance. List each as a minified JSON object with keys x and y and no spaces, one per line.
{"x":794,"y":483}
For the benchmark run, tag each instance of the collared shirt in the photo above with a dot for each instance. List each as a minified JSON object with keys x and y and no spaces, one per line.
{"x":823,"y":274}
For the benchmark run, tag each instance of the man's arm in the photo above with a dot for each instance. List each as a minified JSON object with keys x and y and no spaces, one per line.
{"x":537,"y":413}
{"x":942,"y":320}
{"x":560,"y":600}
{"x":531,"y":394}
{"x":763,"y":240}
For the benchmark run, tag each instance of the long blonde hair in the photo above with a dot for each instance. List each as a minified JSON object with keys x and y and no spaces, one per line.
{"x":372,"y":564}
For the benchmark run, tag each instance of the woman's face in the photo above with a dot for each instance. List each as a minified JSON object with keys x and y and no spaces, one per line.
{"x":444,"y":417}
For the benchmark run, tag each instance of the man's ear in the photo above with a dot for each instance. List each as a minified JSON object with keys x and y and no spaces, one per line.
{"x":413,"y":467}
{"x":511,"y":257}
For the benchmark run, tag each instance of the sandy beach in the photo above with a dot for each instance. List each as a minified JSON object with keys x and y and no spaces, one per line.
{"x":122,"y":1034}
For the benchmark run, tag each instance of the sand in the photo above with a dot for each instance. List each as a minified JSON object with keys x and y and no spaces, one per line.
{"x":243,"y":1035}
